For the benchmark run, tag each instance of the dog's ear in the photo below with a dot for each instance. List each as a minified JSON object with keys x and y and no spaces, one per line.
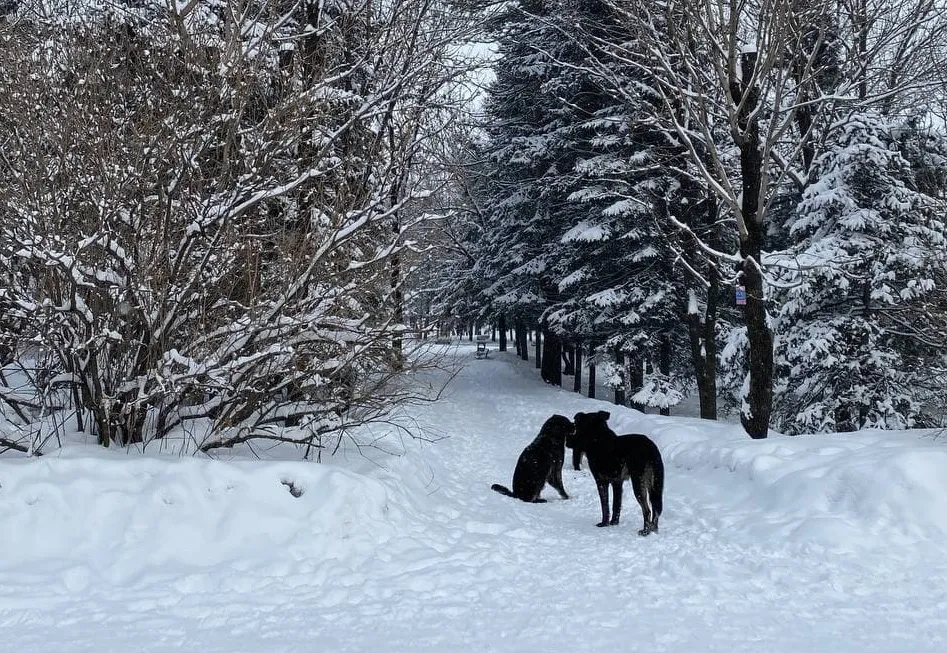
{"x":578,"y":417}
{"x":604,"y":414}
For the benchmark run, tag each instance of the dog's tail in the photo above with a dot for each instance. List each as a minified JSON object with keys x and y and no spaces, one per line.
{"x":496,"y":487}
{"x":656,"y":495}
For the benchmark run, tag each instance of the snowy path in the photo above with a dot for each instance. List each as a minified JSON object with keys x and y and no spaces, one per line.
{"x":451,"y":566}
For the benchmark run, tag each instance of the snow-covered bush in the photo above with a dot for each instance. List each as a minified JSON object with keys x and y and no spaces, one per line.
{"x":204,"y":205}
{"x":659,"y":391}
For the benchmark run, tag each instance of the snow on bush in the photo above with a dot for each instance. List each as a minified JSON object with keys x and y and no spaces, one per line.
{"x":659,"y":391}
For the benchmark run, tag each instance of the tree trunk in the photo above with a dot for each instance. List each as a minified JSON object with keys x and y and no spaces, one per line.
{"x":758,"y":404}
{"x":591,"y":373}
{"x":568,"y":359}
{"x":704,"y":347}
{"x":397,"y":342}
{"x":804,"y":123}
{"x":501,"y":327}
{"x":551,"y":371}
{"x":620,"y":389}
{"x":522,"y":348}
{"x":664,"y":364}
{"x":577,"y":366}
{"x":635,"y":381}
{"x":539,"y":349}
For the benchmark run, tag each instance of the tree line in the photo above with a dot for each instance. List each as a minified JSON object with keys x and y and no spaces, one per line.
{"x":742,"y":198}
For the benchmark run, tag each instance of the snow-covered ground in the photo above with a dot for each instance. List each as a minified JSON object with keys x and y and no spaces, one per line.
{"x":828,"y":543}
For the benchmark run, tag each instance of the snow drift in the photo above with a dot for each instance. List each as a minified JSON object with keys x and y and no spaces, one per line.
{"x":122,"y":517}
{"x":838,"y":490}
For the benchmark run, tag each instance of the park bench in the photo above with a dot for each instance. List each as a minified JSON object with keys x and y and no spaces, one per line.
{"x":482,"y":350}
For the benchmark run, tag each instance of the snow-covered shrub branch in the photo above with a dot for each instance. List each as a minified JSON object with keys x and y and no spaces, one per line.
{"x":204,"y":205}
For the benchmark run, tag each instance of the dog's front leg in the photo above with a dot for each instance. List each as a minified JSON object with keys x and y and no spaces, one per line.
{"x":555,"y":480}
{"x":603,"y":497}
{"x":616,"y":504}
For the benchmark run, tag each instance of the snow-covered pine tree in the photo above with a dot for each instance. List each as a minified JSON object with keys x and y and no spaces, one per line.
{"x":863,"y":289}
{"x":516,"y":261}
{"x":579,"y":168}
{"x":628,"y":177}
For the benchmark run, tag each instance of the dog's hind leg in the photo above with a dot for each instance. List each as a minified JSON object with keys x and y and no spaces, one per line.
{"x":603,"y":498}
{"x":640,"y":484}
{"x":532,"y":496}
{"x":656,"y":495}
{"x":616,"y":503}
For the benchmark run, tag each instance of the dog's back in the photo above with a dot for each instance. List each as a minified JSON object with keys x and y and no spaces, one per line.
{"x":540,"y":462}
{"x":613,"y":458}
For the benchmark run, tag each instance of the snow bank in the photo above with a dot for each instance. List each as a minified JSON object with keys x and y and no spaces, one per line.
{"x":838,"y":490}
{"x":102,"y":512}
{"x":107,"y":551}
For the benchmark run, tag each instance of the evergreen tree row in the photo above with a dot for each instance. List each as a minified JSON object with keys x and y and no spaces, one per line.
{"x":700,"y":214}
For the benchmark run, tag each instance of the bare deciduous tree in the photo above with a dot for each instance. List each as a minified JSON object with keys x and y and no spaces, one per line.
{"x":204,"y":205}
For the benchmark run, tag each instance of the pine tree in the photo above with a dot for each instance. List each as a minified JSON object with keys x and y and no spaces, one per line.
{"x":583,"y":178}
{"x":527,"y":120}
{"x":627,"y":292}
{"x":862,"y":296}
{"x":511,"y":195}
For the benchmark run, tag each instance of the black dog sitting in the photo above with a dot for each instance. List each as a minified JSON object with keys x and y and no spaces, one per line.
{"x":614,"y":458}
{"x":541,"y":462}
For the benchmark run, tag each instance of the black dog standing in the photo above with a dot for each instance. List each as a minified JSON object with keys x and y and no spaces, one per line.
{"x":612,"y":459}
{"x":541,"y":462}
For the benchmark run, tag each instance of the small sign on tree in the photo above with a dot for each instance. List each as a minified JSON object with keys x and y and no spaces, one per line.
{"x":741,"y":296}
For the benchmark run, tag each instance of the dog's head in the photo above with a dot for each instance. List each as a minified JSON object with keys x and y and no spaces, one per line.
{"x":587,"y":427}
{"x":559,"y":428}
